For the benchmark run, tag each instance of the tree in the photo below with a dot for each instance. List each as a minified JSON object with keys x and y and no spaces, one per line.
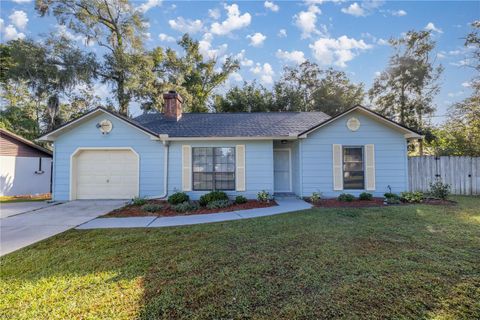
{"x":117,"y":27}
{"x":309,"y":88}
{"x":194,"y":76}
{"x":249,"y":98}
{"x":41,"y":74}
{"x":405,"y":90}
{"x":460,"y":134}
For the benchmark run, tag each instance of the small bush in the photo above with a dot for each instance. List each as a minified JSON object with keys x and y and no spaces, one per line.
{"x":138,"y":201}
{"x":346,"y":197}
{"x":439,"y":190}
{"x":185,"y":207}
{"x":315,"y":197}
{"x":219,"y":204}
{"x":264,"y":196}
{"x":152,"y":207}
{"x":178,"y":197}
{"x":412,"y":197}
{"x":365,"y":196}
{"x":212,"y":196}
{"x":392,"y":200}
{"x":240,"y":200}
{"x":390,"y":195}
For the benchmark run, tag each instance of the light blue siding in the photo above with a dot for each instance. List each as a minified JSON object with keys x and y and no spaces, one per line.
{"x":390,"y":155}
{"x":122,"y":135}
{"x":258,"y":162}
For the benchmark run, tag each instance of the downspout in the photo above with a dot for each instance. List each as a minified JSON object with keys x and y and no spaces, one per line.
{"x":166,"y":145}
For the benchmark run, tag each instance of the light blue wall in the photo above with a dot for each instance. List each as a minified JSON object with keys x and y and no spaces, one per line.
{"x":258,"y":162}
{"x":390,"y":156}
{"x":122,"y":135}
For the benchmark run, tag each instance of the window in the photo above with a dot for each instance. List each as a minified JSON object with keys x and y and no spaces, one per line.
{"x":353,"y":172}
{"x":213,"y":168}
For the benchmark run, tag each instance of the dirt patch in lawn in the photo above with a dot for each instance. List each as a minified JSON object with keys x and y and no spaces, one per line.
{"x":132,"y":210}
{"x":334,"y":203}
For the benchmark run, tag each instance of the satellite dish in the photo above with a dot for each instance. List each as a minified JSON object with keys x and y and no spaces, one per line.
{"x":105,"y":126}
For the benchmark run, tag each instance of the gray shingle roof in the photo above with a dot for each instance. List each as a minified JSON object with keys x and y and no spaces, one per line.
{"x":260,"y":124}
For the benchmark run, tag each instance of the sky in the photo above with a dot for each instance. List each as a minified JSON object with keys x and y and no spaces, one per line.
{"x":266,"y":36}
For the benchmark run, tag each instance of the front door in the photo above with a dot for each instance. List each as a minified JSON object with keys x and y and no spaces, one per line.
{"x":281,"y":170}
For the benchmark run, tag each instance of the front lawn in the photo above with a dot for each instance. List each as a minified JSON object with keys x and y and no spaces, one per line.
{"x":416,"y":261}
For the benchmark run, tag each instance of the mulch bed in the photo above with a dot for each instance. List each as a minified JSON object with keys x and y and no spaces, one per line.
{"x":334,"y":203}
{"x":132,"y":210}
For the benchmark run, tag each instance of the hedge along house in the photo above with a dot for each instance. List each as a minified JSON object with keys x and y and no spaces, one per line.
{"x":102,"y":155}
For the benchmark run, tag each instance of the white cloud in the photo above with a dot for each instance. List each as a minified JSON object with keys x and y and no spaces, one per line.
{"x":233,"y":22}
{"x":266,"y":72}
{"x":144,"y":7}
{"x":307,"y":20}
{"x":431,"y":27}
{"x":62,"y":29}
{"x":214,"y":14}
{"x":235,"y":76}
{"x":19,"y":19}
{"x":355,"y":10}
{"x":272,"y":6}
{"x":337,"y":51}
{"x":399,"y":13}
{"x":10,"y":33}
{"x":295,"y":56}
{"x":206,"y":49}
{"x":282,"y":33}
{"x":441,"y":55}
{"x":257,"y":39}
{"x":466,"y":84}
{"x":244,"y":62}
{"x":378,"y":73}
{"x":166,"y":38}
{"x":382,"y":42}
{"x":454,"y":52}
{"x":22,"y":1}
{"x":455,"y":94}
{"x":186,"y":25}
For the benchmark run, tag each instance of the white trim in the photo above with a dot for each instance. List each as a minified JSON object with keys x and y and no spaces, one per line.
{"x":71,"y":196}
{"x":47,"y":137}
{"x":289,"y":168}
{"x":408,"y":133}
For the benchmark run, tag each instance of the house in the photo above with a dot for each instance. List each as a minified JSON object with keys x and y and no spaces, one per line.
{"x":25,"y":168}
{"x":103,"y":155}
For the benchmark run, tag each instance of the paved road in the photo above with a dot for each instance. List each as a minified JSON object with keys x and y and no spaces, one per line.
{"x":24,"y":229}
{"x":13,"y":208}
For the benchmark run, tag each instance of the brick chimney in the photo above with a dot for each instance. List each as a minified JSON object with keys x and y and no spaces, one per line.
{"x":173,"y":105}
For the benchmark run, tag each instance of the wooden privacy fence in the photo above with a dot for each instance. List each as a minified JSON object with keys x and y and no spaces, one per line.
{"x":461,"y":173}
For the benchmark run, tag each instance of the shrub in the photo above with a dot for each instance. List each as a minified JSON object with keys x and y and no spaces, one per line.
{"x":212,"y":196}
{"x":346,"y":197}
{"x":185,"y":207}
{"x":263,"y":196}
{"x":152,"y":207}
{"x":440,"y":190}
{"x":315,"y":197}
{"x":219,"y":204}
{"x":365,"y":196}
{"x":412,"y":197}
{"x":138,"y":201}
{"x":392,"y":200}
{"x":390,"y":195}
{"x":178,"y":197}
{"x":240,"y":200}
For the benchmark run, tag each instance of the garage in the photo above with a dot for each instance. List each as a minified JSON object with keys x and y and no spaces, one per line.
{"x":105,"y":174}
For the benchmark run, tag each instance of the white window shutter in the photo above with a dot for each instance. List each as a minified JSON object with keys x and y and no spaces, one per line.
{"x":240,"y":167}
{"x":369,"y":167}
{"x":337,"y":167}
{"x":186,"y":168}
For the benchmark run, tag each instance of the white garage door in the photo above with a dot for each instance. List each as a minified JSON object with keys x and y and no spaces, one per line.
{"x":106,"y":174}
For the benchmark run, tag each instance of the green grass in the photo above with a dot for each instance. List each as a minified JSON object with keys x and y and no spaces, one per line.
{"x":418,"y":262}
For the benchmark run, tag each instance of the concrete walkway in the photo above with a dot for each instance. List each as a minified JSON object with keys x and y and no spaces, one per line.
{"x":284,"y":205}
{"x":21,"y":230}
{"x":14,"y":208}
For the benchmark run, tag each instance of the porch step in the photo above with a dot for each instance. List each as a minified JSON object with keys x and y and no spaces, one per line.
{"x":285,"y":195}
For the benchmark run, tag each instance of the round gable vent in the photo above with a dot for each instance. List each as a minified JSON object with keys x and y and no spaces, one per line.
{"x":105,"y":126}
{"x":353,"y":124}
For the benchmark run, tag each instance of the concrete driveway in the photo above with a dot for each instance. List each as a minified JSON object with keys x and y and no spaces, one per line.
{"x":14,"y":208}
{"x":24,"y":229}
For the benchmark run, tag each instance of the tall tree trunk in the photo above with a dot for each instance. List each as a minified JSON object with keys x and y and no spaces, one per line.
{"x":122,"y":97}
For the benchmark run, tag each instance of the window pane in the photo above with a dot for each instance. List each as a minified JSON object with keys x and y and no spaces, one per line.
{"x":203,"y":181}
{"x":213,"y":168}
{"x":225,"y":181}
{"x":353,"y":166}
{"x":353,"y":180}
{"x":353,"y":176}
{"x":352,"y":154}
